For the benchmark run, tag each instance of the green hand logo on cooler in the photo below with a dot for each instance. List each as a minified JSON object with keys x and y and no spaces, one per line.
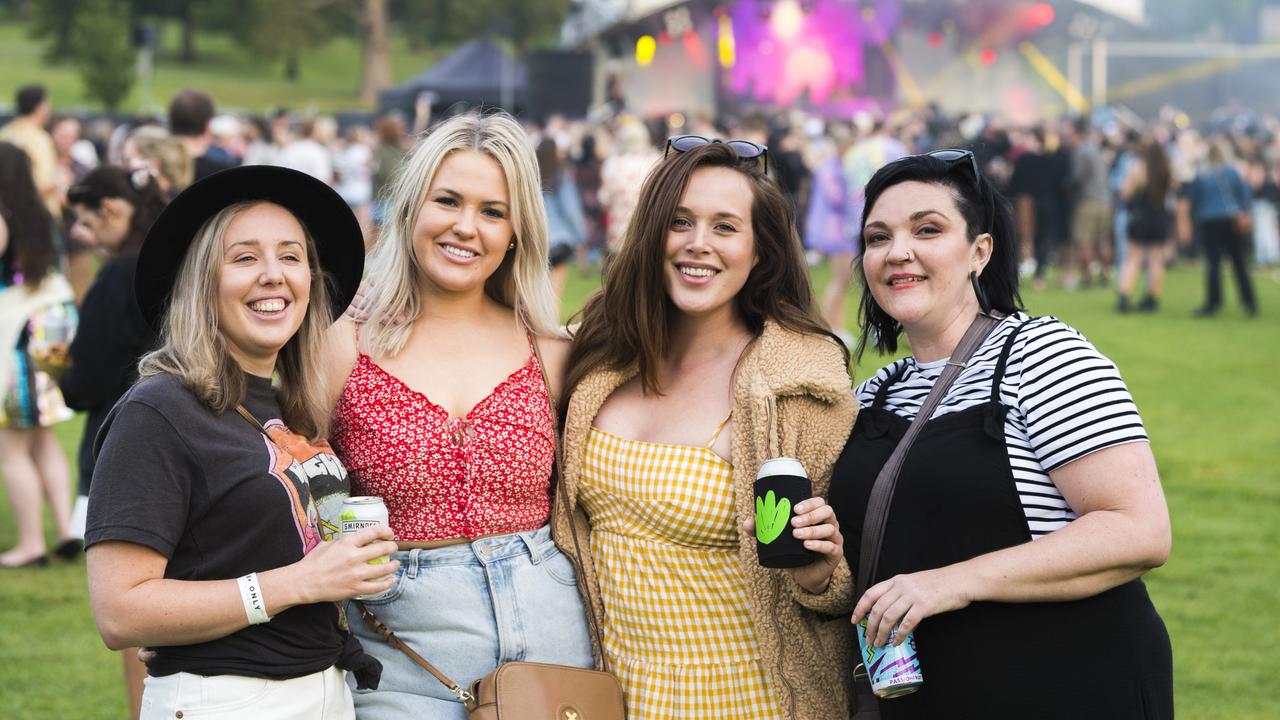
{"x":771,"y":517}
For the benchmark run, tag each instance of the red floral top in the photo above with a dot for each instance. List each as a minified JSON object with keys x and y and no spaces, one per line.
{"x":441,"y":477}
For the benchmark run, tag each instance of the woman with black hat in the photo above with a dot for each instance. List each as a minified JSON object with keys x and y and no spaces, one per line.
{"x":213,"y":490}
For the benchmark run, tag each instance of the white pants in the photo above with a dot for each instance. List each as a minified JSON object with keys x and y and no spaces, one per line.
{"x":318,"y":696}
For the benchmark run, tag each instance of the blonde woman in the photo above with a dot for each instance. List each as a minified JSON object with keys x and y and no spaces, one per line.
{"x":212,"y":489}
{"x":154,"y":149}
{"x":442,"y":410}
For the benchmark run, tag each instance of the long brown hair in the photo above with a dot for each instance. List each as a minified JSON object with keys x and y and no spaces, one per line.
{"x":630,"y":318}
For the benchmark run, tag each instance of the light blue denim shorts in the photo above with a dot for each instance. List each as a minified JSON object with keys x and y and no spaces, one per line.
{"x":467,"y":609}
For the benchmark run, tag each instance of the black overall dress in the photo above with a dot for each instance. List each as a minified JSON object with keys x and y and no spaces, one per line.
{"x":1107,"y":656}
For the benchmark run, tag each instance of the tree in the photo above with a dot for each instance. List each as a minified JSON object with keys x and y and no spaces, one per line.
{"x":375,"y":74}
{"x":104,"y":50}
{"x":282,"y":29}
{"x":55,"y":21}
{"x":444,"y":22}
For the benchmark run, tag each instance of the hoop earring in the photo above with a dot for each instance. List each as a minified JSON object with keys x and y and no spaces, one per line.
{"x":977,"y":290}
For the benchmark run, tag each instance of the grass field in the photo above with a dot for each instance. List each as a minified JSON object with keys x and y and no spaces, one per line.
{"x":1206,"y":394}
{"x":328,"y":79}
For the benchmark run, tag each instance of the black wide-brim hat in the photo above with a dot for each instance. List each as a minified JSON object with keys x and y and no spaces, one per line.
{"x":322,"y":212}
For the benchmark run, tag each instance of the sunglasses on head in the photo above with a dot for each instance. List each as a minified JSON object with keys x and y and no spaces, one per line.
{"x":745,"y":149}
{"x":958,"y":157}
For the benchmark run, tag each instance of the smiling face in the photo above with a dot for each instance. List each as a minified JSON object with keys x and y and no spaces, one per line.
{"x":918,"y":256}
{"x":710,"y":246}
{"x":264,"y":287}
{"x":464,"y":226}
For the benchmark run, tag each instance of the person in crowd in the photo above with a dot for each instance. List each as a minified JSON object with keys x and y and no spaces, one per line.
{"x":586,"y":171}
{"x":162,"y":156}
{"x":824,"y":230}
{"x":73,"y":162}
{"x":443,"y":410}
{"x":353,"y":170}
{"x":1128,"y":154}
{"x":704,"y":355}
{"x":1037,"y":186}
{"x":69,"y":168}
{"x":309,"y":150}
{"x":37,"y":315}
{"x":621,"y":174}
{"x":228,"y":139}
{"x":214,"y":494}
{"x":1030,"y":504}
{"x":566,"y":226}
{"x":27,"y":131}
{"x":1145,"y":193}
{"x":387,"y":156}
{"x":1089,"y":253}
{"x":1216,"y":199}
{"x":190,"y":112}
{"x":113,"y":208}
{"x":877,"y":147}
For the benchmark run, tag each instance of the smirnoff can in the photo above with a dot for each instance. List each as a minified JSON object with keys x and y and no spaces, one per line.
{"x":361,"y":512}
{"x":892,"y":670}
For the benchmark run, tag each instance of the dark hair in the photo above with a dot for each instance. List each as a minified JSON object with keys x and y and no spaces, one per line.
{"x":630,"y":318}
{"x":984,"y":211}
{"x":549,"y":166}
{"x":189,"y":113}
{"x":139,"y":189}
{"x":28,"y":98}
{"x":30,"y":227}
{"x":1159,"y":175}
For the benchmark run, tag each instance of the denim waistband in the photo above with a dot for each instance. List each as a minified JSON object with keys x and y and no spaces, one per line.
{"x":485,"y":551}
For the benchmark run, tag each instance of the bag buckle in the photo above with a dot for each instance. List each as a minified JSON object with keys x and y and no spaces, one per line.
{"x":464,"y":697}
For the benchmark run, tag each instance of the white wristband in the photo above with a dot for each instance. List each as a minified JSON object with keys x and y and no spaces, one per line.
{"x":251,"y":595}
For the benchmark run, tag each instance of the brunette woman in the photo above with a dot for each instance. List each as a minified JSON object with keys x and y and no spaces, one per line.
{"x":704,"y":355}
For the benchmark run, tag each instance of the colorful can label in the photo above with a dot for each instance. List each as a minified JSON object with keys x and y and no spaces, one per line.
{"x":893,"y":670}
{"x":361,"y":512}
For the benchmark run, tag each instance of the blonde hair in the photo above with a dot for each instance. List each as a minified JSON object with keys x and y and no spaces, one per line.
{"x":170,"y":156}
{"x":195,"y":351}
{"x":522,"y":282}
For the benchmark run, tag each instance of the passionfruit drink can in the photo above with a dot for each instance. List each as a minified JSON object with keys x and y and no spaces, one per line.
{"x":361,"y":512}
{"x":892,"y":670}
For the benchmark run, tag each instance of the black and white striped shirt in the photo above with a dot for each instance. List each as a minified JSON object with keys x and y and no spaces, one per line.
{"x":1065,"y":400}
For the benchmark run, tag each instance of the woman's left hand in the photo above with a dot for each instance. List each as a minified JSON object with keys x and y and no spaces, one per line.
{"x":903,"y":601}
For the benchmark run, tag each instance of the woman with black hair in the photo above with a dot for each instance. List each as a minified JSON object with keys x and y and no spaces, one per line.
{"x":37,"y":312}
{"x":1028,"y":506}
{"x":114,"y":208}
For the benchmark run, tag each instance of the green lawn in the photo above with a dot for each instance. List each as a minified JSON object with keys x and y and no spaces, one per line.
{"x":1204,"y":388}
{"x":328,"y":80}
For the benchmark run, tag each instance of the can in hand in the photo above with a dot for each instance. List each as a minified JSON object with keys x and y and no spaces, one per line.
{"x":360,"y":512}
{"x":892,"y":670}
{"x":781,"y":484}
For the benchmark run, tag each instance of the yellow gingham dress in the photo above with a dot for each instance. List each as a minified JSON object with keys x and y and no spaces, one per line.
{"x":664,"y":540}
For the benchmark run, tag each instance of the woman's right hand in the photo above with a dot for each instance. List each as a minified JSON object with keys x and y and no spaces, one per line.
{"x":340,"y":569}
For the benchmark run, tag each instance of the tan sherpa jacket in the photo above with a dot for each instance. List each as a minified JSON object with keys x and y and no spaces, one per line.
{"x":792,"y":397}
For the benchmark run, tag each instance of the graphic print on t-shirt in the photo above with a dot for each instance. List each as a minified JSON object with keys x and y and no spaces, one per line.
{"x":324,"y":473}
{"x":314,"y":479}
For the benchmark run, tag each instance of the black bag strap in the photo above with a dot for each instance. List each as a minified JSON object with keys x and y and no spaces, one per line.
{"x":877,"y":516}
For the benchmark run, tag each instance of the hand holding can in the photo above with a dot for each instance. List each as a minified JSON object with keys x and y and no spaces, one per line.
{"x":781,"y":484}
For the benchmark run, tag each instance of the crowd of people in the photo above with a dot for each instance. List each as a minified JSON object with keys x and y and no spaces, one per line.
{"x":202,"y":257}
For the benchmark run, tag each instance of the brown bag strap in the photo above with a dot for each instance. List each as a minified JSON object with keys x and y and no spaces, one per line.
{"x":391,"y":639}
{"x":877,"y":516}
{"x":556,"y":507}
{"x":252,"y":420}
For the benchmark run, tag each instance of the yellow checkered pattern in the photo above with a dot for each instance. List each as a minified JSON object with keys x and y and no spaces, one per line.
{"x":665,"y":544}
